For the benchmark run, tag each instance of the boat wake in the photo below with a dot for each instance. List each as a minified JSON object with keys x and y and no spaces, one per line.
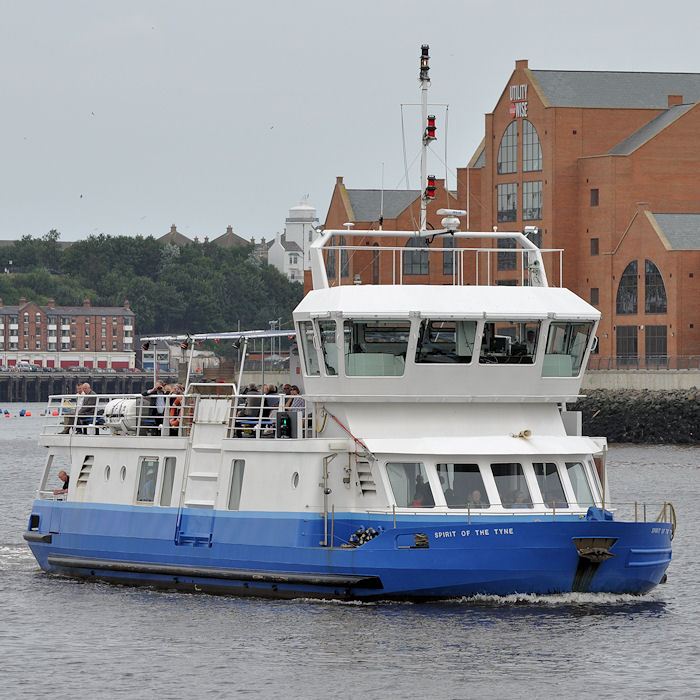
{"x":16,"y":557}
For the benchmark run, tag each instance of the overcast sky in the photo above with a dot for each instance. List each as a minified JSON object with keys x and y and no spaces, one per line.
{"x":126,"y":117}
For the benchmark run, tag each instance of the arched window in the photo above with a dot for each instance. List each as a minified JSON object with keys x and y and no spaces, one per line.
{"x":532,"y":150}
{"x":654,"y":290}
{"x":627,"y":291}
{"x":508,"y":150}
{"x":416,"y":262}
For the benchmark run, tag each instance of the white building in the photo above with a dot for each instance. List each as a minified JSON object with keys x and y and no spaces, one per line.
{"x":289,"y":252}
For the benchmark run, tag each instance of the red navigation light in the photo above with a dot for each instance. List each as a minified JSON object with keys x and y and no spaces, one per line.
{"x":184,"y":345}
{"x":145,"y":346}
{"x":430,"y":189}
{"x":430,"y":129}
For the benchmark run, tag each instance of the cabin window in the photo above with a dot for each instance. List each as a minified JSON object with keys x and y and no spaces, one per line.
{"x":566,"y":348}
{"x":306,"y":335}
{"x":329,"y":346}
{"x":445,"y":342}
{"x":462,"y":485}
{"x":509,"y":342}
{"x":549,"y":482}
{"x":582,"y":490}
{"x":409,"y":483}
{"x":234,"y":493}
{"x":511,"y":485}
{"x":148,"y":477}
{"x":376,"y":348}
{"x":166,"y":492}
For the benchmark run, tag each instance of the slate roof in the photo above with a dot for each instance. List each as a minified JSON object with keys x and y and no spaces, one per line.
{"x":366,"y":204}
{"x":649,"y":130}
{"x":681,"y":230}
{"x":564,"y":88}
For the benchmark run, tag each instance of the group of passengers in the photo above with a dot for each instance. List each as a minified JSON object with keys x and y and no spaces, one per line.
{"x":164,"y":406}
{"x":260,"y":404}
{"x":80,"y":412}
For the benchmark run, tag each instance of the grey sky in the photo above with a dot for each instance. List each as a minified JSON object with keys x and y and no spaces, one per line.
{"x":125,"y":117}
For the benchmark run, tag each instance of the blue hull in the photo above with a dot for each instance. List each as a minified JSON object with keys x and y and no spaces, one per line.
{"x":280,"y":554}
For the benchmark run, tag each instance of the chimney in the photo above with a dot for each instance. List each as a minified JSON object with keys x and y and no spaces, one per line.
{"x":173,"y":229}
{"x":339,"y":180}
{"x":675,"y":100}
{"x":22,"y":300}
{"x":86,"y":302}
{"x":127,"y":305}
{"x":229,"y":229}
{"x":52,"y":303}
{"x":0,"y":301}
{"x":521,"y":64}
{"x":206,"y":239}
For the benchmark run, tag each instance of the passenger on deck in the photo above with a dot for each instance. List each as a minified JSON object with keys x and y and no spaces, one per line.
{"x":70,"y":420}
{"x":157,"y":400}
{"x":86,"y":413}
{"x":253,"y":401}
{"x":295,"y":402}
{"x":272,"y":401}
{"x":175,"y":409}
{"x":519,"y":500}
{"x":65,"y":479}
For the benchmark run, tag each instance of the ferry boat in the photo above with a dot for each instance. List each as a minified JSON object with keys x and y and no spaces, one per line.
{"x":430,"y":454}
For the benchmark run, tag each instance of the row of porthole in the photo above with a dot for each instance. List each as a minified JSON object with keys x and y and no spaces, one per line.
{"x":122,"y":475}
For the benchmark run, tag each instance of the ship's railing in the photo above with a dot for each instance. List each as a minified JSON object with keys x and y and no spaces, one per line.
{"x":256,"y":415}
{"x":118,"y":414}
{"x":627,"y":511}
{"x":651,"y":362}
{"x":355,"y":264}
{"x":245,"y":414}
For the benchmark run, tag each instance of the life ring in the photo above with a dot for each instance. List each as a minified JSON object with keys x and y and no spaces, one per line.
{"x":175,"y":412}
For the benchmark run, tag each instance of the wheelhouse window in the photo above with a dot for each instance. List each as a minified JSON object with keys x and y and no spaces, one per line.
{"x":445,"y":342}
{"x":306,"y":338}
{"x":532,"y":150}
{"x":511,"y":485}
{"x":507,"y":202}
{"x":375,"y":348}
{"x":409,"y":484}
{"x":148,"y":477}
{"x":626,"y":302}
{"x":548,"y":480}
{"x":416,"y":262}
{"x":462,"y":485}
{"x":509,"y":342}
{"x":566,"y":347}
{"x":654,"y":290}
{"x":508,"y":150}
{"x":234,"y":493}
{"x":329,"y":346}
{"x":532,"y":200}
{"x":579,"y":482}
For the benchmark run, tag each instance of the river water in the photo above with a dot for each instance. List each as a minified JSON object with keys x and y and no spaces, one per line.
{"x":67,"y":639}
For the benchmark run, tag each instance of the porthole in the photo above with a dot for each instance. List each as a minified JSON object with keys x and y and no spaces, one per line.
{"x":108,"y":469}
{"x":122,"y":474}
{"x":295,"y":480}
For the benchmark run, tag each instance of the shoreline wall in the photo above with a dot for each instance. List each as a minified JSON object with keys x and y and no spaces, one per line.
{"x":641,"y":415}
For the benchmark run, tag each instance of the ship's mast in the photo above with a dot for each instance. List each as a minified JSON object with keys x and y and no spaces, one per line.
{"x":428,"y":121}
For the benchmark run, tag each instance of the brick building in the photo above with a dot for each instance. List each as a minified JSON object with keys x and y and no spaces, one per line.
{"x":605,"y":165}
{"x":65,"y":336}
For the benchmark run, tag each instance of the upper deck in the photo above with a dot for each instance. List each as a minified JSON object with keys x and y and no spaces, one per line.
{"x":452,"y":342}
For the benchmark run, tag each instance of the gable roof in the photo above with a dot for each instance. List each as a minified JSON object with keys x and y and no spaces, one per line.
{"x":649,"y":130}
{"x":564,"y":88}
{"x":367,"y":204}
{"x":229,"y":239}
{"x":681,"y":230}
